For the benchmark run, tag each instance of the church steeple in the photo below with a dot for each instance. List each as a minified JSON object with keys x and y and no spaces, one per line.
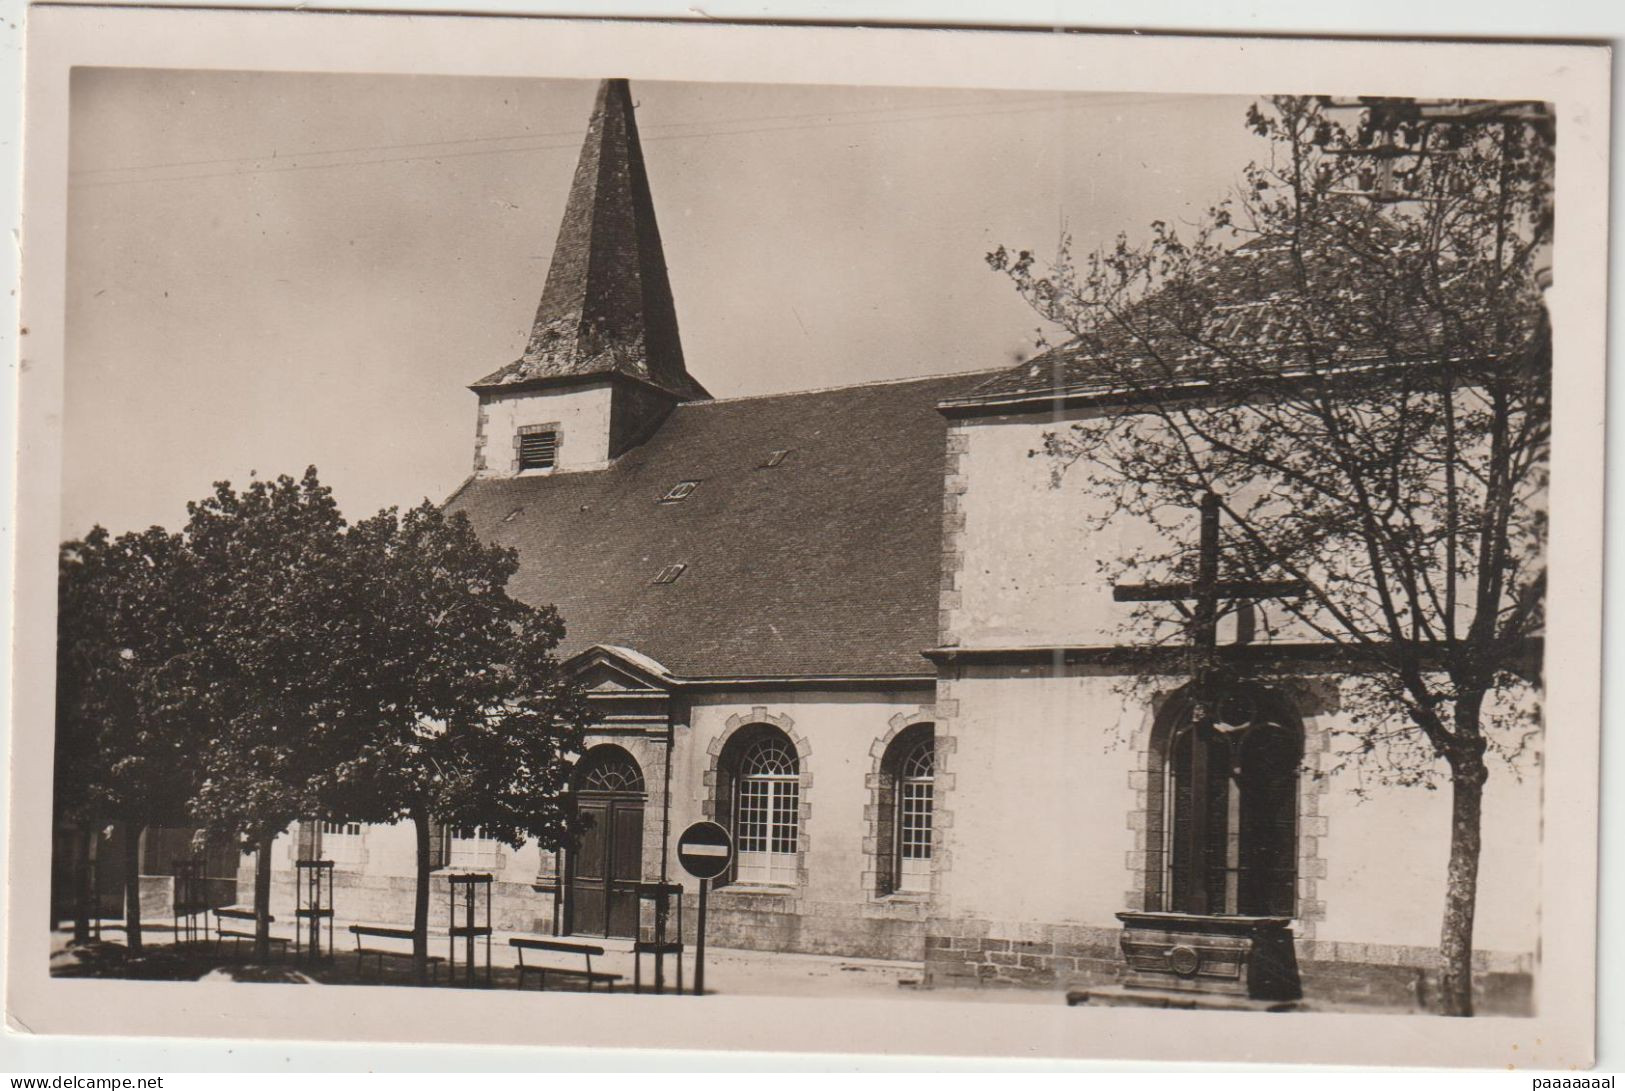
{"x":607,"y":306}
{"x":603,"y":365}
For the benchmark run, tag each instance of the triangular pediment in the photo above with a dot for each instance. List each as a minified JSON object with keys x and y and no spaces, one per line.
{"x":609,"y":671}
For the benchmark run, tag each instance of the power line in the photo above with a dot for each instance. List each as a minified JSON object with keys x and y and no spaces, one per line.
{"x":576,"y":133}
{"x":319,"y":166}
{"x":992,"y":109}
{"x":326,"y":151}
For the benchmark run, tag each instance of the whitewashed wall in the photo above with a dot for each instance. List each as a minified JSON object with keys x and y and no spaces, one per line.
{"x":582,"y":414}
{"x":1044,"y":765}
{"x":1044,"y":762}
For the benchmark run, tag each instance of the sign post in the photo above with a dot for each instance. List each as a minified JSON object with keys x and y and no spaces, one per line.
{"x":705,"y":850}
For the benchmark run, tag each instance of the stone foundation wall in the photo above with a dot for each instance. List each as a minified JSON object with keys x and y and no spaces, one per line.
{"x":774,"y":922}
{"x":981,"y":953}
{"x":1495,"y":992}
{"x":984,"y":953}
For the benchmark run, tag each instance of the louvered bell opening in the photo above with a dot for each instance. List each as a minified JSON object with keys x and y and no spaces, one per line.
{"x":538,"y":450}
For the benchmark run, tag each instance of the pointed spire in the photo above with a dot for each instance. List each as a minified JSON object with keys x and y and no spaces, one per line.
{"x":607,"y":307}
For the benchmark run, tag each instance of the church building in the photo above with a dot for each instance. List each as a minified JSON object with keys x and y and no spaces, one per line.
{"x":861,"y":628}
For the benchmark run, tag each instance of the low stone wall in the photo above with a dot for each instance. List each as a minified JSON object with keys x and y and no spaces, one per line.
{"x":1385,"y":985}
{"x":881,"y":928}
{"x":985,"y":953}
{"x":968,"y":952}
{"x":752,"y":920}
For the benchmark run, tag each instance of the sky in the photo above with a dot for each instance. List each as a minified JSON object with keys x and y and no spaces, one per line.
{"x":273,"y":270}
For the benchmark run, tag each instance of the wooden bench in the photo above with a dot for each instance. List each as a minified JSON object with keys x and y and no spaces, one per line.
{"x":223,"y":914}
{"x":379,"y":931}
{"x":563,"y":947}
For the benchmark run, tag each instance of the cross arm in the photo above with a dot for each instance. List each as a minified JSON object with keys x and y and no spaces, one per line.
{"x":1224,"y":589}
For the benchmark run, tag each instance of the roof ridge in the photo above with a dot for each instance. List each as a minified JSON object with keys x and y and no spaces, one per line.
{"x":844,"y":386}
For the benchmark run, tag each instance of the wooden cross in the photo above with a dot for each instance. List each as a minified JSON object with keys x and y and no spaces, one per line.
{"x":1208,"y":590}
{"x":1202,"y":623}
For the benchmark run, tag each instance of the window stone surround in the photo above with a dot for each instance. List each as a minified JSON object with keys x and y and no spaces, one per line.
{"x":1144,"y":861}
{"x":530,"y":430}
{"x":874,"y":847}
{"x":717,"y":809}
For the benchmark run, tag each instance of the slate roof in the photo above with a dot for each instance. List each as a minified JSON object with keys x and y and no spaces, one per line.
{"x":1239,"y":321}
{"x":607,"y":305}
{"x":828,"y":564}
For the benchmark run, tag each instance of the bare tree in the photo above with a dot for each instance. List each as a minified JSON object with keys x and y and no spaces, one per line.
{"x":1352,"y":352}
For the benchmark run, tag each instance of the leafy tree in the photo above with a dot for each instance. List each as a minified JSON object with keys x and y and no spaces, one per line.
{"x":125,"y":745}
{"x":459,"y":711}
{"x":270,"y":569}
{"x":1363,"y":376}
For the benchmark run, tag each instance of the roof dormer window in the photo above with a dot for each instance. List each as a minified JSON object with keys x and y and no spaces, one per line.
{"x":679,"y":491}
{"x":538,"y":446}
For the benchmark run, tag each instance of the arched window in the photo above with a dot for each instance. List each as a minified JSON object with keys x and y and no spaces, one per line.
{"x":608,"y":769}
{"x":914,"y":796}
{"x":904,"y":834}
{"x":1228,"y":807}
{"x":767,"y":808}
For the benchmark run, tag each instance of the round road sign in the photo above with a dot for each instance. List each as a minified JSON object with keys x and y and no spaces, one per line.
{"x":705,"y":850}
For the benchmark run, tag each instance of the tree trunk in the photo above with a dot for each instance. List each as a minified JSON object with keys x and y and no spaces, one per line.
{"x":132,"y":889}
{"x":83,"y":884}
{"x":420,"y":899}
{"x":1468,"y":774}
{"x":262,"y":896}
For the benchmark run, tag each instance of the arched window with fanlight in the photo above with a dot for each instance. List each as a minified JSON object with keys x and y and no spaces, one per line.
{"x":904,"y":824}
{"x":766,"y":807}
{"x":609,"y":769}
{"x":914,"y":799}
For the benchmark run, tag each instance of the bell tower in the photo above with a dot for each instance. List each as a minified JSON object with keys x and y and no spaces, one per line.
{"x":603,"y":365}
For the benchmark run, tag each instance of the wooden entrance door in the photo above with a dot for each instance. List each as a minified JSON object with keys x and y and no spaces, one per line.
{"x":607,"y":868}
{"x":607,"y":865}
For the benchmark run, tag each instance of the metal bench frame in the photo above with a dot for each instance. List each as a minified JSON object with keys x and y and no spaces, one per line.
{"x":379,"y":931}
{"x":222,"y":933}
{"x":586,"y":950}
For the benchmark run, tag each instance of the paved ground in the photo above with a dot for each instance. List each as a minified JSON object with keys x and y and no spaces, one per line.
{"x":727,"y":971}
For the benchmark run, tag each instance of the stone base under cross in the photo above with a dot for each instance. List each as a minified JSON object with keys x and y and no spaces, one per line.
{"x":1187,"y":960}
